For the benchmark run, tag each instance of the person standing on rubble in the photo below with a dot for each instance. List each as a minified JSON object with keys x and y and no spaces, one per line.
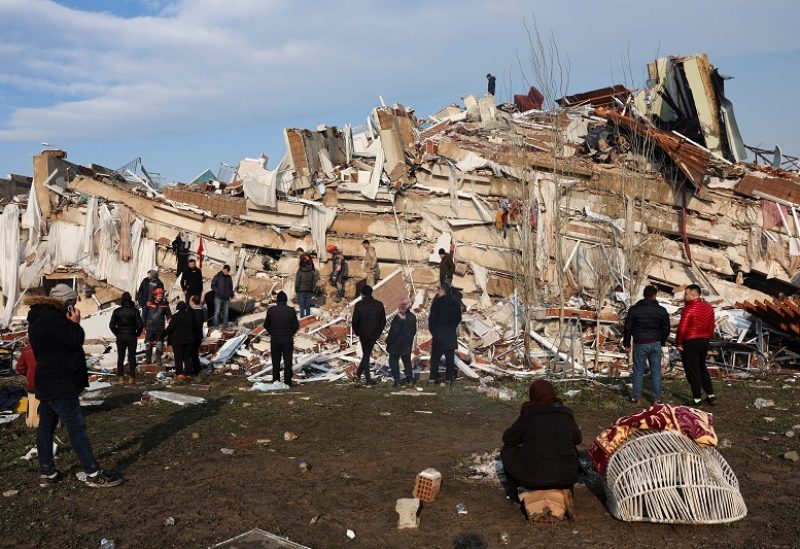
{"x":648,"y":324}
{"x":447,"y":268}
{"x":400,"y":341}
{"x":199,"y":316}
{"x":369,"y":320}
{"x":370,"y":263}
{"x":694,"y":333}
{"x":281,"y":324}
{"x":56,"y":336}
{"x":148,"y":285}
{"x":155,"y":316}
{"x":192,"y":280}
{"x":222,"y":284}
{"x":181,"y":250}
{"x":304,"y":284}
{"x":181,"y":336}
{"x":491,"y":82}
{"x":339,"y":273}
{"x":127,"y":325}
{"x":443,"y":322}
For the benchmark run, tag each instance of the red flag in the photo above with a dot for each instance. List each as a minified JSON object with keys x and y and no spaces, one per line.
{"x":200,"y":253}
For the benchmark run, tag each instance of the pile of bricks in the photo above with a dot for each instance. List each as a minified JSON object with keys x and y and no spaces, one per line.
{"x":213,"y":203}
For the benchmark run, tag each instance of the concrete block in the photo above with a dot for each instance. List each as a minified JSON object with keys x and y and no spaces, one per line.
{"x":408,"y":513}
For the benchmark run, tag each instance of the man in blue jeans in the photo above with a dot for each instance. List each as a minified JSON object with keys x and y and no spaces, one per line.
{"x":222,"y":285}
{"x":648,"y":324}
{"x":56,"y":337}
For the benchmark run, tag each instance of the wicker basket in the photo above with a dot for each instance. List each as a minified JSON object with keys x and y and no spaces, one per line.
{"x":667,"y":477}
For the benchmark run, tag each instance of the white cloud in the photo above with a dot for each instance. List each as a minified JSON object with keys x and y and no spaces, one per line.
{"x":197,"y":65}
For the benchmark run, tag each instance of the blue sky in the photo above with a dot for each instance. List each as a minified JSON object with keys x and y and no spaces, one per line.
{"x":188,"y":84}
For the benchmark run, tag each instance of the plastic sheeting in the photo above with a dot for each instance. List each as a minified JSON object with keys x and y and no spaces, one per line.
{"x":259,"y":183}
{"x":9,"y":259}
{"x":32,"y":220}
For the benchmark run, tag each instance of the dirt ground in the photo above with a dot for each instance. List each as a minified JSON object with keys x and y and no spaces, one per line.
{"x":364,"y":447}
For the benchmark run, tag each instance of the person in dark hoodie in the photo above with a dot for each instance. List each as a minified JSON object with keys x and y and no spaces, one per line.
{"x":281,"y":324}
{"x":304,"y":284}
{"x":192,"y":280}
{"x":447,"y":268}
{"x":155,"y":316}
{"x":539,"y":449}
{"x":127,"y":325}
{"x":222,"y":285}
{"x":443,"y":321}
{"x":181,"y":336}
{"x":648,"y":324}
{"x":199,"y":315}
{"x":56,"y":337}
{"x":369,"y":320}
{"x":400,"y":341}
{"x":148,"y":286}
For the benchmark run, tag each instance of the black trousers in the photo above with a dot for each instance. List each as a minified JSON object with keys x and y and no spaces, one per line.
{"x":126,"y":347}
{"x":183,"y":358}
{"x":694,"y":365}
{"x":394,"y":365}
{"x":366,"y":347}
{"x":449,"y":362}
{"x":282,"y":350}
{"x":196,"y":358}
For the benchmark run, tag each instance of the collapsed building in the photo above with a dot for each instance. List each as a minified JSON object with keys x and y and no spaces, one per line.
{"x":555,"y":217}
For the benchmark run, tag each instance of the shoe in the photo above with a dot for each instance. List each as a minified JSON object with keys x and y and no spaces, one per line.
{"x":50,"y":479}
{"x":633,"y":400}
{"x":396,"y":383}
{"x":697,"y":403}
{"x":451,"y":383}
{"x":102,"y":480}
{"x":181,"y":376}
{"x":711,"y":401}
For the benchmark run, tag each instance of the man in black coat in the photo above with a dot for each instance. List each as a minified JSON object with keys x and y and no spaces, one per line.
{"x":56,"y":338}
{"x":447,"y":268}
{"x":400,"y":341}
{"x":369,"y":320}
{"x":648,"y":324}
{"x":281,"y":324}
{"x":181,"y":336}
{"x":192,"y":281}
{"x":126,"y":324}
{"x":491,"y":82}
{"x":539,"y":448}
{"x":222,"y":285}
{"x":443,"y":321}
{"x":147,"y":288}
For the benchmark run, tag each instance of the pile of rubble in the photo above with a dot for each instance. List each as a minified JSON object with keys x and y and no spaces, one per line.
{"x":556,"y":220}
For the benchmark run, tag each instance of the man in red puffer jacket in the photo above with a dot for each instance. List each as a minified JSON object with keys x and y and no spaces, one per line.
{"x":694,"y":332}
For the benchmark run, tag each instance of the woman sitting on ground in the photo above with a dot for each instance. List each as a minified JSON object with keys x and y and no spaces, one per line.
{"x":539,"y":450}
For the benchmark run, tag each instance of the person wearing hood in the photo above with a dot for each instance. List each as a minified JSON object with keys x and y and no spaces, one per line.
{"x":539,"y":449}
{"x":127,"y":325}
{"x":369,"y":320}
{"x":281,"y":324}
{"x":443,"y":322}
{"x":199,"y":316}
{"x":147,"y":288}
{"x":304,"y":284}
{"x":400,"y":341}
{"x":181,"y":336}
{"x":155,"y":316}
{"x":56,"y":336}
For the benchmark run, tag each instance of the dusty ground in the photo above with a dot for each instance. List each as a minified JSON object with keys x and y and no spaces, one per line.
{"x":365,"y":448}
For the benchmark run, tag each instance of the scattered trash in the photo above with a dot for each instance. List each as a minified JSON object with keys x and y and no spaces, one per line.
{"x":408,"y":513}
{"x":227,"y":451}
{"x":761,"y":403}
{"x":724,"y":444}
{"x":572,"y":393}
{"x":177,"y":398}
{"x":304,"y":467}
{"x":790,"y":434}
{"x":386,"y":413}
{"x":769,"y":419}
{"x":170,"y":521}
{"x":33,"y":452}
{"x":289,"y":436}
{"x":461,"y":509}
{"x":314,"y":519}
{"x":791,"y":456}
{"x":422,"y":412}
{"x":10,"y":493}
{"x":351,"y":534}
{"x":107,"y":544}
{"x":81,"y":476}
{"x":270,"y":387}
{"x":195,"y":436}
{"x":505,"y":539}
{"x":8,"y":418}
{"x":161,"y":376}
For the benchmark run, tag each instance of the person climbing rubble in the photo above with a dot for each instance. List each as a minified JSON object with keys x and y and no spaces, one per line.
{"x":304,"y":284}
{"x":56,"y":337}
{"x":447,"y":268}
{"x":369,"y":320}
{"x":155,"y":316}
{"x":339,"y":273}
{"x":370,"y":263}
{"x":148,"y":285}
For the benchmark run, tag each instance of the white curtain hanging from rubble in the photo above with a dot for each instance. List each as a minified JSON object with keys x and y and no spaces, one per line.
{"x":481,"y":281}
{"x":320,"y":220}
{"x":30,"y":275}
{"x":259,"y":183}
{"x":9,"y":259}
{"x":371,"y":190}
{"x":64,"y":243}
{"x":32,"y":220}
{"x":87,"y":246}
